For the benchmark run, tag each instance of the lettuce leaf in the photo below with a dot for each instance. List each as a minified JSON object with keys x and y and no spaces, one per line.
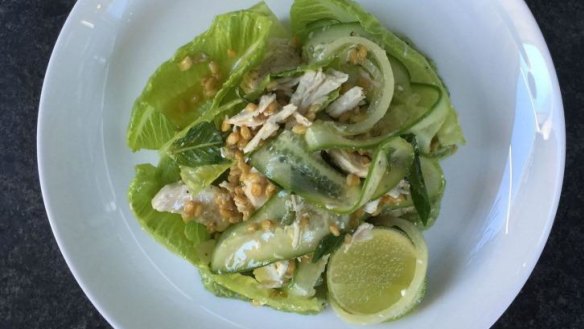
{"x":167,"y":228}
{"x":189,"y":240}
{"x":245,"y":287}
{"x":176,"y":94}
{"x":198,"y":178}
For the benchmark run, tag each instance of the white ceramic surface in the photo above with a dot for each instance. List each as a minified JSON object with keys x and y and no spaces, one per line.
{"x":499,"y":206}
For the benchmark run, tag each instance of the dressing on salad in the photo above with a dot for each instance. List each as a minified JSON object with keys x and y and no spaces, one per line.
{"x":286,"y":153}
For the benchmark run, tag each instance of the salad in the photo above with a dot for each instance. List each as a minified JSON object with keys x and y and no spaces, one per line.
{"x":298,"y":166}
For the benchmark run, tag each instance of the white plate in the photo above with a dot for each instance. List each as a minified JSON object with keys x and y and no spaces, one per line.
{"x":499,"y":206}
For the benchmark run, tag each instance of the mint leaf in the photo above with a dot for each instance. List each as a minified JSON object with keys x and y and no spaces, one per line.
{"x":418,"y":189}
{"x":201,"y":145}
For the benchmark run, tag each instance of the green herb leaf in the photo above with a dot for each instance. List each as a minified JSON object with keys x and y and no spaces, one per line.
{"x":418,"y":190}
{"x":200,"y":146}
{"x":327,"y":245}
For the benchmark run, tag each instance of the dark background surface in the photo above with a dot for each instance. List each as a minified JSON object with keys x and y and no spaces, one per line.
{"x":37,"y":289}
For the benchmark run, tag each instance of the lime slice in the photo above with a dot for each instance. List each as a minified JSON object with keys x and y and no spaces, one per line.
{"x":380,"y":278}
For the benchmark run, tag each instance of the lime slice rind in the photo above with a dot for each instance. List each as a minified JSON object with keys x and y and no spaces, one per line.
{"x":403,"y":305}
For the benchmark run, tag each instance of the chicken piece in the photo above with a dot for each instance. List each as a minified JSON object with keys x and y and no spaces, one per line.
{"x":271,"y":126}
{"x":215,"y":204}
{"x":315,"y":86}
{"x":350,"y":162}
{"x":253,"y":118}
{"x":346,"y":102}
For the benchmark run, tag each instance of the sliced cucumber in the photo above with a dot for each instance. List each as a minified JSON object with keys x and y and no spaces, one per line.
{"x":410,"y":108}
{"x":307,"y":277}
{"x":246,"y":246}
{"x":287,"y":162}
{"x":408,"y":65}
{"x":376,"y":65}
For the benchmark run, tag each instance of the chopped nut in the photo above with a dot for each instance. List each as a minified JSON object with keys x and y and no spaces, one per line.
{"x":225,"y":213}
{"x":334,"y":230}
{"x":245,"y":133}
{"x":257,"y":190}
{"x":231,"y":53}
{"x":210,"y":85}
{"x":389,"y":200}
{"x":214,"y":68}
{"x":272,"y":108}
{"x":225,"y":126}
{"x":365,"y":160}
{"x":251,"y":107}
{"x":299,"y":129}
{"x":362,"y":52}
{"x":233,"y":138}
{"x":185,"y":64}
{"x":190,"y":208}
{"x":352,"y":180}
{"x":241,"y":144}
{"x":270,"y":190}
{"x":252,"y":227}
{"x":267,"y":224}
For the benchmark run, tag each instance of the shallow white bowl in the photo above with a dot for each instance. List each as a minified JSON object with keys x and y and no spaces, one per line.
{"x":499,"y":206}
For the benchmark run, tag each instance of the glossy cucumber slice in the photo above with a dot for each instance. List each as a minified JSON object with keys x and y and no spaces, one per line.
{"x":307,"y":277}
{"x":246,"y":246}
{"x":410,"y":108}
{"x":287,"y":161}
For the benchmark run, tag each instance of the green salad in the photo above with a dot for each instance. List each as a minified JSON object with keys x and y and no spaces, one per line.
{"x":298,"y":165}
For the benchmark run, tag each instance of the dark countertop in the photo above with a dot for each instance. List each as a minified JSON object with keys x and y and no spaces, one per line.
{"x":37,"y":289}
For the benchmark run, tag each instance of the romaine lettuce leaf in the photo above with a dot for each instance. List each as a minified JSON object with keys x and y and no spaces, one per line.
{"x":190,"y":81}
{"x":198,"y":178}
{"x":245,"y":287}
{"x":167,"y":228}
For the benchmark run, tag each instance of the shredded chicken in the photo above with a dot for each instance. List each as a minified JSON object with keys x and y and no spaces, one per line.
{"x":213,"y":203}
{"x":371,"y":207}
{"x":350,"y":162}
{"x":403,"y":188}
{"x":253,"y":118}
{"x":171,"y":198}
{"x":346,"y":102}
{"x":270,"y":126}
{"x":314,"y":87}
{"x":363,"y":233}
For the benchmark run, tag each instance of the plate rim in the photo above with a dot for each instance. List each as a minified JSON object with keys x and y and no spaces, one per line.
{"x":559,"y":126}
